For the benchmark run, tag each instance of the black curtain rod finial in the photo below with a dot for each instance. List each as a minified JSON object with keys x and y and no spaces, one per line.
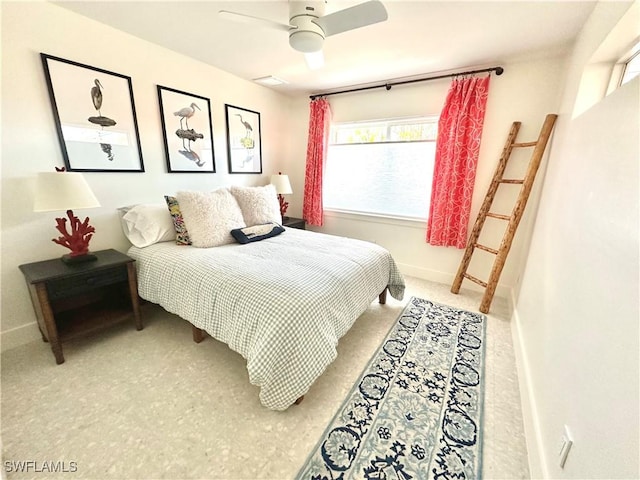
{"x":499,"y":70}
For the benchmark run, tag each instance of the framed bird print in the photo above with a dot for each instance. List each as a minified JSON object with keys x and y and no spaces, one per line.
{"x":95,"y":117}
{"x":243,"y":140}
{"x":187,"y":131}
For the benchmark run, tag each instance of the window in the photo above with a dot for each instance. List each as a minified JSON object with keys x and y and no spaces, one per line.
{"x":381,"y":167}
{"x":631,"y":67}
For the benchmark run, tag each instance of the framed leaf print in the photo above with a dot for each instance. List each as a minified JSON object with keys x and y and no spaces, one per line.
{"x":243,"y":140}
{"x":187,"y":131}
{"x":95,"y":117}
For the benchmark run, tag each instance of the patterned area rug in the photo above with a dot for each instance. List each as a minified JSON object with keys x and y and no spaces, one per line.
{"x":416,"y":410}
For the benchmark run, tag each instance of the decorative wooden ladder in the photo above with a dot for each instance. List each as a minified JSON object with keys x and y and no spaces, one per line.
{"x":513,"y":219}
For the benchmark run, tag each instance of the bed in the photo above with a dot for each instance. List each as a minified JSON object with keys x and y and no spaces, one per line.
{"x":281,"y":302}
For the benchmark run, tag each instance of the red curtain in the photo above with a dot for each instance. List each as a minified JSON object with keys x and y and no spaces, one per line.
{"x":457,"y":148}
{"x":319,"y":125}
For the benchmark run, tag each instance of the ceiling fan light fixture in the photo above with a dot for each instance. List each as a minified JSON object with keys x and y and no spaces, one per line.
{"x":308,"y":25}
{"x":305,"y":41}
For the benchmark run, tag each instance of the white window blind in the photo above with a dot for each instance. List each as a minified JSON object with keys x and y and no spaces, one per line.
{"x":382,"y":167}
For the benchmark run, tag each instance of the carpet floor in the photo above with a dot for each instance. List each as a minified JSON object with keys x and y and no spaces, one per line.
{"x":153,"y":404}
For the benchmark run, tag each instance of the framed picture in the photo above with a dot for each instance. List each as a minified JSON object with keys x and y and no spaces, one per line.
{"x":95,"y":117}
{"x":187,"y":131}
{"x":243,"y":140}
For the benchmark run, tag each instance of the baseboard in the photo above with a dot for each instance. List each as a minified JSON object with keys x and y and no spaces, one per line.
{"x":424,"y":273}
{"x":530,"y":418}
{"x":447,"y":278}
{"x":19,"y":336}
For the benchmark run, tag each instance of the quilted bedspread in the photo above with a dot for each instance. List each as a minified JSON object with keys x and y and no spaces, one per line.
{"x":282,"y":303}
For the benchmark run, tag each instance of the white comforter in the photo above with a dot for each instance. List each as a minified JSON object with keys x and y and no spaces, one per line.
{"x":282,"y":303}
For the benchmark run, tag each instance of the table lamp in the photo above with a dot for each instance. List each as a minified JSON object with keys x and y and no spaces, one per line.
{"x":283,"y":187}
{"x":61,"y":190}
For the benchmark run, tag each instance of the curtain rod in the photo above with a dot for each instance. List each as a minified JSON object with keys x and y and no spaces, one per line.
{"x":388,"y":85}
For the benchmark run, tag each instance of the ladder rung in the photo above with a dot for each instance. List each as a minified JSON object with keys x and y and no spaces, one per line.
{"x":474,"y":279}
{"x":525,"y":144}
{"x":506,"y":180}
{"x":486,"y":249}
{"x":497,"y":215}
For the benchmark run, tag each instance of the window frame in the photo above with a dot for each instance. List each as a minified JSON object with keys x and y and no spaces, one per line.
{"x":634,"y":55}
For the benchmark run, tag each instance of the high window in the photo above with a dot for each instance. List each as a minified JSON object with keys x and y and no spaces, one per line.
{"x":382,"y":167}
{"x":631,"y":66}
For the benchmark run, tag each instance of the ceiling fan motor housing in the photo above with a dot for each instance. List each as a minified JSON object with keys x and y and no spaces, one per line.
{"x":308,"y":37}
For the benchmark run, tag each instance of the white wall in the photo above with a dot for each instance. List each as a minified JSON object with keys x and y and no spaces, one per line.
{"x":30,"y":144}
{"x":526,"y":92}
{"x":577,"y":313}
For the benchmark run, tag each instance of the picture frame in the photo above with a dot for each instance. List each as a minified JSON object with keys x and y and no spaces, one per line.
{"x":95,"y":117}
{"x":187,"y":131}
{"x":244,"y":144}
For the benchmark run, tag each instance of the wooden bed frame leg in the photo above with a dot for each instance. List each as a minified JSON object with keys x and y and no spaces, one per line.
{"x":382,"y":298}
{"x":299,"y":400}
{"x":198,"y":334}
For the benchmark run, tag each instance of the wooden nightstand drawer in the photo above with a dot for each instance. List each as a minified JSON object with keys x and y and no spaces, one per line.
{"x":72,"y":286}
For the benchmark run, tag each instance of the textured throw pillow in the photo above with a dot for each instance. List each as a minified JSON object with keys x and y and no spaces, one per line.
{"x":182,"y":235}
{"x":145,"y":225}
{"x":256,"y":233}
{"x":210,"y":216}
{"x":259,"y":205}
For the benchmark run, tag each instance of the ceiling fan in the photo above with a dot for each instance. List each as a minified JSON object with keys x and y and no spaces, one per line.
{"x":308,"y":25}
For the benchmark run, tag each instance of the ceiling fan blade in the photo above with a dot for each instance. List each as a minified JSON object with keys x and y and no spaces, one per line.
{"x":241,"y":17}
{"x":351,"y":18}
{"x":315,"y":60}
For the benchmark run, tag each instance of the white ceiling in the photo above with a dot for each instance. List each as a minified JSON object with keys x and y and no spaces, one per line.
{"x":419,"y":38}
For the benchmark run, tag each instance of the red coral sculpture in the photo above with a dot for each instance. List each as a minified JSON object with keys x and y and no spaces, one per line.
{"x":283,"y":205}
{"x":78,"y":240}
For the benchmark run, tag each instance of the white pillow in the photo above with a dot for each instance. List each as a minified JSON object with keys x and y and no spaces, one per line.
{"x":259,"y":205}
{"x":145,"y":225}
{"x":210,"y":216}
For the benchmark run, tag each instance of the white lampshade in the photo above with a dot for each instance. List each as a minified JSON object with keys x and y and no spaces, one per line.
{"x":281,"y":182}
{"x":63,"y":191}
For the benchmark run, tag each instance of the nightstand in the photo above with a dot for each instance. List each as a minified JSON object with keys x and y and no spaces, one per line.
{"x":294,"y":223}
{"x":71,"y":300}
